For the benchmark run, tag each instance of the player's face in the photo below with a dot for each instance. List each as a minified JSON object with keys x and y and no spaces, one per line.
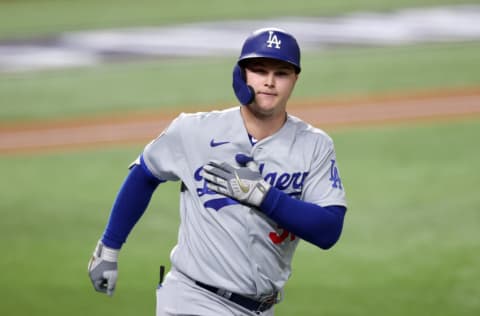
{"x":273,"y":82}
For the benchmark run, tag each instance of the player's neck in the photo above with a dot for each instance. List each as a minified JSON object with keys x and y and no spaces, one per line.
{"x":260,"y":126}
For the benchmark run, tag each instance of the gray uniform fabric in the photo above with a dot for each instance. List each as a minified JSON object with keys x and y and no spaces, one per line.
{"x":221,"y":242}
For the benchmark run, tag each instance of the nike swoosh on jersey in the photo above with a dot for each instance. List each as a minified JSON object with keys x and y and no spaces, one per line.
{"x":213,"y":143}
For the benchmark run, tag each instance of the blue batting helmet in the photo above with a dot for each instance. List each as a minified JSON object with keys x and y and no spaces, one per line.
{"x":271,"y":43}
{"x":264,"y":43}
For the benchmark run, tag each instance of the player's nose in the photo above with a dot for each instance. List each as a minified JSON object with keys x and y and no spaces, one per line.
{"x":270,"y":79}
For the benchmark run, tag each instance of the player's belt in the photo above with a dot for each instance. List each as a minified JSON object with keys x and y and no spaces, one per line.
{"x":248,"y":303}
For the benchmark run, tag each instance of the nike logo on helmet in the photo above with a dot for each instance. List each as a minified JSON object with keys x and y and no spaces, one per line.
{"x":213,"y":143}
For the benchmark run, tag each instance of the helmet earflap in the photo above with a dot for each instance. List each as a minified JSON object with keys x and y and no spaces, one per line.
{"x":244,"y":93}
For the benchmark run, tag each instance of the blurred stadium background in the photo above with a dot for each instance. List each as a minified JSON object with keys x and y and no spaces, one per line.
{"x":411,"y":242}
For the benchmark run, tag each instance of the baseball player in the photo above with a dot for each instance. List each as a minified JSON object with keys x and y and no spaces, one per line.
{"x":254,"y":182}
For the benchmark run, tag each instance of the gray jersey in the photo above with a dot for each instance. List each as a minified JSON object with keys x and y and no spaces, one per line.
{"x":224,"y":243}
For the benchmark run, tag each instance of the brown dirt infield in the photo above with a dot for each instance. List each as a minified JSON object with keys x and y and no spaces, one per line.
{"x":327,"y":114}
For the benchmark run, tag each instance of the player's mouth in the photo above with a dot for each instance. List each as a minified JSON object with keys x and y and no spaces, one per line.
{"x":267,"y":93}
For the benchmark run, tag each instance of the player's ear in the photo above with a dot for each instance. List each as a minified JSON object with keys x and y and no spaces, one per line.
{"x":296,"y":77}
{"x":244,"y":93}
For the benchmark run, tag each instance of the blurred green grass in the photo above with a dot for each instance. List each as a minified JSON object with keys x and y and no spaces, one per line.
{"x":30,"y":18}
{"x":202,"y":83}
{"x":409,"y":247}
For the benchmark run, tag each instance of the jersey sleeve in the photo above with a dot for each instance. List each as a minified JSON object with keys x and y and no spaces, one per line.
{"x":323,"y":185}
{"x":164,"y":155}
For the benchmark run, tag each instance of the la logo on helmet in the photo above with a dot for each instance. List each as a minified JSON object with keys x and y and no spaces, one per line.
{"x":273,"y":40}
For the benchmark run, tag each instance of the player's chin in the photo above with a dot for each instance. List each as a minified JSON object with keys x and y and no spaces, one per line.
{"x":263,"y":109}
{"x":266,"y":105}
{"x":264,"y":113}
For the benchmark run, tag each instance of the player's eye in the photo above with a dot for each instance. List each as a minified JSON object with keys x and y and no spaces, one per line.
{"x":282,"y":73}
{"x":258,"y":70}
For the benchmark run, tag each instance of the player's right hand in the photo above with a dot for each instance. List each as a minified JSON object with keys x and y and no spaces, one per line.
{"x":244,"y":184}
{"x":103,"y":269}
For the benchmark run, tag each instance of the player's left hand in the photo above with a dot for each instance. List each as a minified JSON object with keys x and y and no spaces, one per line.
{"x":103,"y":269}
{"x":244,"y":184}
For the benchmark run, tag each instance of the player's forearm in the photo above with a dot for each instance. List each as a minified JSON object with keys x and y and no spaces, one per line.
{"x":319,"y":225}
{"x":130,"y":204}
